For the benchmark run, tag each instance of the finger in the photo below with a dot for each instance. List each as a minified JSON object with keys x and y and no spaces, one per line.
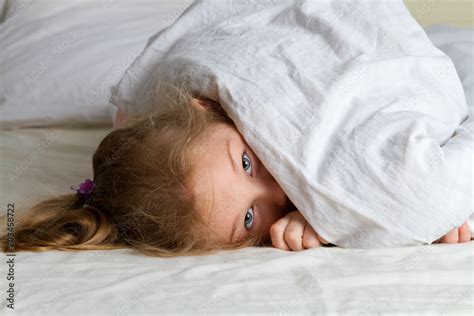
{"x":464,"y":232}
{"x":310,"y":238}
{"x":277,"y":231}
{"x":294,"y":233}
{"x":450,"y":238}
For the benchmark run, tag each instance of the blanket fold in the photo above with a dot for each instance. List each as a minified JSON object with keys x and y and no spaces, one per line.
{"x":361,"y":120}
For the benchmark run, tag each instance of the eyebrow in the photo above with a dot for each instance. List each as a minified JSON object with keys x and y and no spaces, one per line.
{"x":230,"y":156}
{"x":234,"y":226}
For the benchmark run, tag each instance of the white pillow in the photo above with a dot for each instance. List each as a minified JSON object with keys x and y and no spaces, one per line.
{"x":59,"y":59}
{"x":356,"y":114}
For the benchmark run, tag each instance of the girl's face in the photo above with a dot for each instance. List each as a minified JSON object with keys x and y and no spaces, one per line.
{"x":236,"y":195}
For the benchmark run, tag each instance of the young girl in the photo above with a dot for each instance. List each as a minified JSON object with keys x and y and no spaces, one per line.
{"x":178,"y":181}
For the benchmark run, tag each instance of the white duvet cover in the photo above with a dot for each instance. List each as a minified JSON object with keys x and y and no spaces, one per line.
{"x":361,"y":120}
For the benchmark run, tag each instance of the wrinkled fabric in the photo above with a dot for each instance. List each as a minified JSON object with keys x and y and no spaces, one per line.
{"x":361,"y":120}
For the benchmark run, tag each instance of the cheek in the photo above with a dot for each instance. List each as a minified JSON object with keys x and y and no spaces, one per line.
{"x":266,"y":219}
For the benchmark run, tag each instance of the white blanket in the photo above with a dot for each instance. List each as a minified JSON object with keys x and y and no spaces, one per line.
{"x":361,"y":120}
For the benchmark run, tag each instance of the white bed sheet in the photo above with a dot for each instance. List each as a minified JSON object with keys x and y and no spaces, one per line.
{"x":423,"y":280}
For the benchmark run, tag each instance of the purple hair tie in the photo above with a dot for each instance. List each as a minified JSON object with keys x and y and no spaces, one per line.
{"x":85,"y":190}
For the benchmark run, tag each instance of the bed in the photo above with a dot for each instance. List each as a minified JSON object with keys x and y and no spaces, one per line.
{"x":46,"y":147}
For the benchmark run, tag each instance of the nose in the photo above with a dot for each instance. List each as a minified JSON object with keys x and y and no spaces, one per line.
{"x":272,"y":203}
{"x":269,"y":192}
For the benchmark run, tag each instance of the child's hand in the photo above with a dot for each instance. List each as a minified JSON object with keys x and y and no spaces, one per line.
{"x":293,"y":232}
{"x":457,"y":235}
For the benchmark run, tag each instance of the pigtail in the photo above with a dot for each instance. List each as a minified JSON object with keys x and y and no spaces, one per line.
{"x":60,"y":223}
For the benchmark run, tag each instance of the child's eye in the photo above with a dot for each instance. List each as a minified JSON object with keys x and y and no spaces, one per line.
{"x":249,"y":218}
{"x":247,"y":163}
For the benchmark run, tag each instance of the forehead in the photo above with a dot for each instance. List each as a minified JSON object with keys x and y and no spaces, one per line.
{"x":212,"y":171}
{"x":216,"y":135}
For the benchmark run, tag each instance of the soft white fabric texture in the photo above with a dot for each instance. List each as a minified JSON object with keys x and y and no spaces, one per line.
{"x":59,"y":59}
{"x":423,"y":280}
{"x":361,"y":120}
{"x":458,"y":44}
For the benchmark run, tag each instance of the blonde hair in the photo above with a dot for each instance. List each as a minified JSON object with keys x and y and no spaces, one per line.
{"x":142,"y":198}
